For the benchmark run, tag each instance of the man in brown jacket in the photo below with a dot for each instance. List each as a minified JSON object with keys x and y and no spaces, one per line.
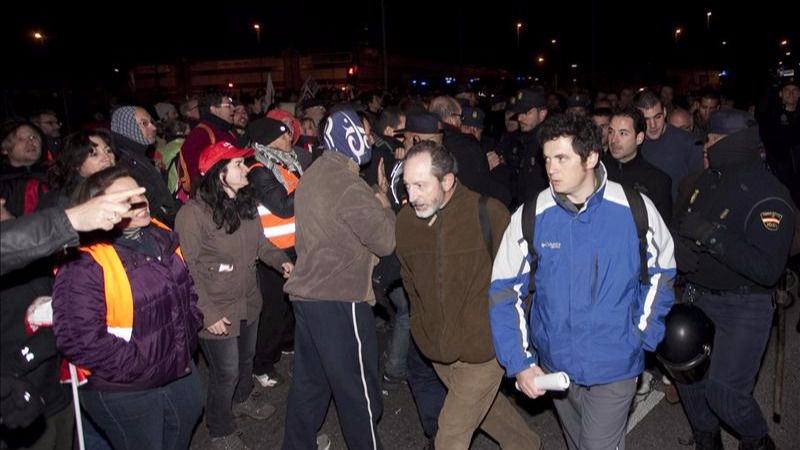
{"x":446,"y":267}
{"x":342,"y":227}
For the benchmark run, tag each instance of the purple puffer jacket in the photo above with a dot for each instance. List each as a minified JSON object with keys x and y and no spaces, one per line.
{"x":165,"y":318}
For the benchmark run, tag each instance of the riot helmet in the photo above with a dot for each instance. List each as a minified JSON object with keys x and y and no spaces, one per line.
{"x":688,"y":339}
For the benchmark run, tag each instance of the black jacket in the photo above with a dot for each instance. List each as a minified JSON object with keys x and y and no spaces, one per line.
{"x":473,"y":169}
{"x":16,"y":183}
{"x":752,"y":217}
{"x":523,"y":155}
{"x":645,"y":178}
{"x":133,"y":156}
{"x":34,"y":236}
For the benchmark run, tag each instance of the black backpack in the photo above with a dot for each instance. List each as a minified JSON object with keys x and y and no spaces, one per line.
{"x":638,"y":210}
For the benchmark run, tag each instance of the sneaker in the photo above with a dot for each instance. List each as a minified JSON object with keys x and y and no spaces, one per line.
{"x":645,"y":383}
{"x":671,"y":394}
{"x":266,"y":380}
{"x":253,"y":407}
{"x":323,"y":442}
{"x":232,"y":441}
{"x":391,"y":383}
{"x":393,"y":380}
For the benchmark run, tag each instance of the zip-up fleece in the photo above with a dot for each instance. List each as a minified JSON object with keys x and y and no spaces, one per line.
{"x":591,"y":316}
{"x":446,"y":269}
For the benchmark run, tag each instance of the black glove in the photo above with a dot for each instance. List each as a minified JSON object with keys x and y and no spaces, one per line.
{"x":696,"y":227}
{"x":687,"y":255}
{"x":20,"y":403}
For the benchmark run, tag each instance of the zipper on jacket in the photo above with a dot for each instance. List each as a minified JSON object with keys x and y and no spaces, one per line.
{"x":594,"y":279}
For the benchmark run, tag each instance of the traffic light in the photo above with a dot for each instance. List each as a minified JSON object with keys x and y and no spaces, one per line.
{"x":352,"y":73}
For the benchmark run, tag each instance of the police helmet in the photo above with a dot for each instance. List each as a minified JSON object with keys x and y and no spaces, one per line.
{"x":686,"y":349}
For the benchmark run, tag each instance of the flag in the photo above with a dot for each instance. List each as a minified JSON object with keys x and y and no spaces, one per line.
{"x":269,"y":96}
{"x":308,"y":89}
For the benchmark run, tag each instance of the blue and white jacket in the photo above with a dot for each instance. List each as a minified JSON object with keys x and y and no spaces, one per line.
{"x":591,"y":316}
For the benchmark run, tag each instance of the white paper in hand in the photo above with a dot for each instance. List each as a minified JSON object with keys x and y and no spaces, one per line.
{"x":558,"y":381}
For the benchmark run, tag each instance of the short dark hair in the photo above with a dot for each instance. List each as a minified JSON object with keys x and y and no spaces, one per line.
{"x":210,"y":98}
{"x":646,"y":99}
{"x":710,"y":93}
{"x":639,"y":125}
{"x":442,"y":160}
{"x":390,"y":117}
{"x":602,"y":112}
{"x":584,"y":133}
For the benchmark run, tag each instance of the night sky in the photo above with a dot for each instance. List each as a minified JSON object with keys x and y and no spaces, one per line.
{"x":622,"y":38}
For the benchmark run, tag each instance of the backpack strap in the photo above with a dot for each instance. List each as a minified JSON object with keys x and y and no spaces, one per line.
{"x":486,"y":225}
{"x":528,"y":228}
{"x":184,"y":182}
{"x":639,"y":211}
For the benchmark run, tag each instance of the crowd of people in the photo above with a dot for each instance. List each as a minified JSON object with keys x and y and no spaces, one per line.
{"x":539,"y":234}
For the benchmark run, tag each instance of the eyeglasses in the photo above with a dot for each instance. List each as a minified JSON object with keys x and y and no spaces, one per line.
{"x":30,"y":138}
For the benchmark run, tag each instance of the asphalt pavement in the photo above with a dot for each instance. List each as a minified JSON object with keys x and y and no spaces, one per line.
{"x":663,"y":427}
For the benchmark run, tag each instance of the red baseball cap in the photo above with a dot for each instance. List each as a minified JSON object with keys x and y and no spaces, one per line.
{"x":218,"y":151}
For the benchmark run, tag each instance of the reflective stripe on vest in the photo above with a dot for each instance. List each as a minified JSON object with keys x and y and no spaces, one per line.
{"x":118,"y":293}
{"x":279,"y":230}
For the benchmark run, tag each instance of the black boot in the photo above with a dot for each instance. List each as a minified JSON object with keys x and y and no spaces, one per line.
{"x":764,"y":443}
{"x":708,"y":440}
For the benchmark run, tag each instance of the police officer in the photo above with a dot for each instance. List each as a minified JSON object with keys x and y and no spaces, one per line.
{"x":522,"y":151}
{"x":732,"y":244}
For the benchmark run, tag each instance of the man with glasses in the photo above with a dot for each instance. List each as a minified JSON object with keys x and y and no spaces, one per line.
{"x":22,"y":174}
{"x":134,"y":132}
{"x":216,"y":124}
{"x":48,"y":122}
{"x":674,"y":151}
{"x":473,"y":168}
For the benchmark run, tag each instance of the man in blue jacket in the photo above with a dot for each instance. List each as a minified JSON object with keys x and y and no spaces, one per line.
{"x":591,"y":316}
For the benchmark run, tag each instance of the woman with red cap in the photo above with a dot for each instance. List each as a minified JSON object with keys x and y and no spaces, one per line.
{"x":221,"y":238}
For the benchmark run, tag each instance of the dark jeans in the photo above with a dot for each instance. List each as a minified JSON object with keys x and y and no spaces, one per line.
{"x":276,"y":323}
{"x":158,"y":418}
{"x":335,"y":354}
{"x":428,"y":390}
{"x":742,"y":327}
{"x":230,"y":377}
{"x":396,"y":366}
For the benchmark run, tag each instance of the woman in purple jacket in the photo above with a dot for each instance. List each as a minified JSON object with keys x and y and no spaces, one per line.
{"x":124,"y":308}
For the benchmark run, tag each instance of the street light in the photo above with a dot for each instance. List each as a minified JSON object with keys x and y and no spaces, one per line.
{"x":38,"y":37}
{"x":553,"y":41}
{"x":784,"y":43}
{"x":540,"y":60}
{"x":519,"y":27}
{"x":708,"y":19}
{"x":678,"y":32}
{"x":257,"y":27}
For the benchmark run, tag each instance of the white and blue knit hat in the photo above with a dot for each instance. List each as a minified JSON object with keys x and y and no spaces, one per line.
{"x":123,"y":122}
{"x":344,"y":133}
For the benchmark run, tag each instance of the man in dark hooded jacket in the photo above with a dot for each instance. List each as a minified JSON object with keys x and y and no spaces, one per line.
{"x":732,"y":243}
{"x":134,"y":132}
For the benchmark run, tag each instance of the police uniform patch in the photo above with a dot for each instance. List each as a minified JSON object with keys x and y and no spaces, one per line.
{"x":771,"y":220}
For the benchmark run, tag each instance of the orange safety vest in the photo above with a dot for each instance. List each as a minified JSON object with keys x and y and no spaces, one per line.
{"x":279,"y":230}
{"x":118,"y":293}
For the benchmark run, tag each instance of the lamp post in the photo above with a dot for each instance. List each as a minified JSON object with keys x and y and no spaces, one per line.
{"x":708,"y":20}
{"x":678,"y":32}
{"x":257,"y":27}
{"x":519,"y":27}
